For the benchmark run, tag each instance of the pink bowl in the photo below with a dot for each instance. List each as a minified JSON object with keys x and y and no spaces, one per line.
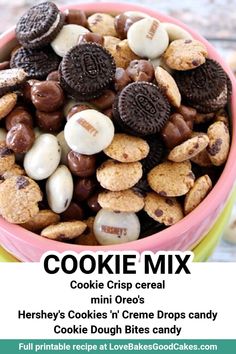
{"x":27,"y":246}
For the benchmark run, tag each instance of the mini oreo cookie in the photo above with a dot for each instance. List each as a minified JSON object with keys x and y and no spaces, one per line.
{"x":213,"y":104}
{"x":203,"y":83}
{"x":155,"y":154}
{"x":142,"y":108}
{"x":39,"y":25}
{"x":37,"y":63}
{"x":86,"y":70}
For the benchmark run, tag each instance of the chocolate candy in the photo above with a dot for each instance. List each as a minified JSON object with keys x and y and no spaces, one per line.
{"x":81,"y":165}
{"x":43,"y":158}
{"x":73,"y":212}
{"x":148,"y":38}
{"x":89,"y":132}
{"x":59,"y":189}
{"x":20,"y":138}
{"x":18,"y":115}
{"x":47,"y":96}
{"x":84,"y":188}
{"x":105,"y":101}
{"x":91,"y":37}
{"x":176,"y":131}
{"x":67,"y":38}
{"x":93,"y":203}
{"x":4,"y":65}
{"x":76,"y":17}
{"x":49,"y":121}
{"x":123,"y":23}
{"x":53,"y":76}
{"x":111,"y":228}
{"x":122,"y":79}
{"x":77,"y":108}
{"x":140,"y":70}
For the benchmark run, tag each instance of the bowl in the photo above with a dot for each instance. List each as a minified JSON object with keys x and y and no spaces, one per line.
{"x":27,"y":246}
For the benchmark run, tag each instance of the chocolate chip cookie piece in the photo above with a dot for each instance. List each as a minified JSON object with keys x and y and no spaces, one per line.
{"x":41,"y":220}
{"x":19,"y":197}
{"x":7,"y":158}
{"x":165,"y":210}
{"x":197,"y":193}
{"x":64,"y":231}
{"x":123,"y":201}
{"x":127,"y":148}
{"x":116,"y":176}
{"x":171,"y":179}
{"x":185,"y":54}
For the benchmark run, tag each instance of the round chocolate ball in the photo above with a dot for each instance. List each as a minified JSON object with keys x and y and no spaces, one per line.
{"x":49,"y":121}
{"x":20,"y":138}
{"x":93,"y":203}
{"x":84,"y":188}
{"x":73,"y":212}
{"x":18,"y":115}
{"x":81,"y":165}
{"x":47,"y":96}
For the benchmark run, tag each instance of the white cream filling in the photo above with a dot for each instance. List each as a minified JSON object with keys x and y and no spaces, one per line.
{"x":51,"y":29}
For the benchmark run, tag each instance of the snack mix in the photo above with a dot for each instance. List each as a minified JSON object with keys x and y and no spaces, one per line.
{"x":111,"y":128}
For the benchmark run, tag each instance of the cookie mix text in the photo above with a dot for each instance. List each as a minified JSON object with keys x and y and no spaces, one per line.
{"x":118,"y":262}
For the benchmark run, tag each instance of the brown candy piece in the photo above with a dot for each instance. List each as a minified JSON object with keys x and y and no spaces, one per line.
{"x":53,"y":76}
{"x":122,"y":79}
{"x":26,"y":90}
{"x":108,"y":112}
{"x":18,"y":115}
{"x":91,"y":37}
{"x":188,"y":113}
{"x":105,"y":101}
{"x":93,"y":203}
{"x":20,"y":138}
{"x":81,"y":165}
{"x":50,"y":121}
{"x":175,"y":131}
{"x":84,"y":188}
{"x":4,"y":65}
{"x":76,"y":17}
{"x":73,"y":212}
{"x":140,"y":70}
{"x":77,"y":108}
{"x":47,"y":96}
{"x":123,"y":23}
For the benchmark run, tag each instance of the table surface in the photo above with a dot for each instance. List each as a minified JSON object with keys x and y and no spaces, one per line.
{"x":214,"y":19}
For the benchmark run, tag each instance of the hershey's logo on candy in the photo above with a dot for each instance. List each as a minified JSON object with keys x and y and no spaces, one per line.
{"x":118,"y":262}
{"x":152,"y":29}
{"x":87,"y":126}
{"x":119,"y":231}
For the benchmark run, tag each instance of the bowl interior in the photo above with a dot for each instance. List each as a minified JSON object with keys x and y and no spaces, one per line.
{"x":201,"y":218}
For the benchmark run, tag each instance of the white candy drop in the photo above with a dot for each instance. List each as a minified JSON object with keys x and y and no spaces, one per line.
{"x":89,"y":132}
{"x":43,"y":158}
{"x":67,"y":38}
{"x":59,"y":189}
{"x":148,"y":38}
{"x":112,"y":228}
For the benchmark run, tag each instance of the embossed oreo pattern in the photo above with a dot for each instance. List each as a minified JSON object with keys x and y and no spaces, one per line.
{"x":86,"y":70}
{"x":143,"y":108}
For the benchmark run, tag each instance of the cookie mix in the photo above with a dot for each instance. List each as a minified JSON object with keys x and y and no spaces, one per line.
{"x":112,"y":128}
